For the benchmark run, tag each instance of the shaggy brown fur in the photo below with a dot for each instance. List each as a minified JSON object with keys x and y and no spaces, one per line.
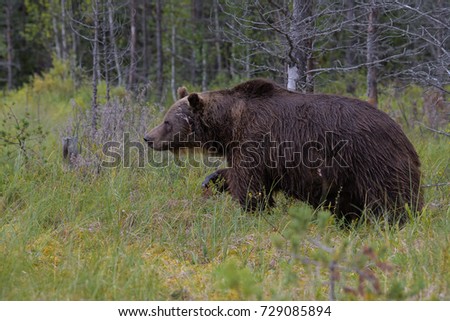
{"x":322,"y":149}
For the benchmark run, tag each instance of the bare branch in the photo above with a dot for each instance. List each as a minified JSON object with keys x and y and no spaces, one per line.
{"x":434,"y":130}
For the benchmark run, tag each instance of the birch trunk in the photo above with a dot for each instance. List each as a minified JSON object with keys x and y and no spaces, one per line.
{"x":300,"y":47}
{"x":112,"y":40}
{"x":55,"y":31}
{"x":63,"y":31}
{"x":106,"y":54}
{"x":132,"y":72}
{"x":95,"y":67}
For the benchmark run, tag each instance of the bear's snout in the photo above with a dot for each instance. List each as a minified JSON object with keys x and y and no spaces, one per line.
{"x":149,"y":140}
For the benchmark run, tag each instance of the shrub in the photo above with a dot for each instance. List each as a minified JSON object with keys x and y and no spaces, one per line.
{"x":116,"y":119}
{"x":21,"y":135}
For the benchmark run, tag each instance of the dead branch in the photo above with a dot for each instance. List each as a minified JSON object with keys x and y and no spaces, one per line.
{"x":437,"y":131}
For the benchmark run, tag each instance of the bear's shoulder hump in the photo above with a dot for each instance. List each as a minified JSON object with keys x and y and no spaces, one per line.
{"x":256,"y":88}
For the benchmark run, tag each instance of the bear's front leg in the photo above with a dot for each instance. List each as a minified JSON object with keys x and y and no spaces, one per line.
{"x":218,"y":179}
{"x":247,"y":189}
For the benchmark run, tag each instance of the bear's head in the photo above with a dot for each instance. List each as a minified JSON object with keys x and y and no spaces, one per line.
{"x":209,"y":120}
{"x":180,"y":124}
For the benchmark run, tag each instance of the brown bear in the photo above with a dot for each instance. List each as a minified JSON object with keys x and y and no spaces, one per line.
{"x":326,"y":150}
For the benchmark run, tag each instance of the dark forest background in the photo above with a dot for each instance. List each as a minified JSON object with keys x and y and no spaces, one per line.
{"x":160,"y":44}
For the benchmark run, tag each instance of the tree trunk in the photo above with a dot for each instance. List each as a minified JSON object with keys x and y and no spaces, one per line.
{"x":296,"y":59}
{"x":112,"y":40}
{"x":435,"y":104}
{"x":350,"y":17}
{"x":71,"y":149}
{"x":440,"y":56}
{"x":309,"y":85}
{"x":197,"y":58}
{"x":172,"y":62}
{"x":95,"y":67}
{"x":193,"y":65}
{"x":372,"y":90}
{"x":55,"y":30}
{"x":247,"y":62}
{"x":106,"y":54}
{"x":217,"y":36}
{"x":63,"y":31}
{"x":204,"y":68}
{"x":293,"y":76}
{"x":74,"y":54}
{"x":9,"y":45}
{"x":145,"y":64}
{"x":232,"y":68}
{"x":300,"y":47}
{"x":159,"y":51}
{"x":131,"y":74}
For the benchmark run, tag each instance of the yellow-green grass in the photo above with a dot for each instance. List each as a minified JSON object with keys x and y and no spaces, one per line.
{"x":150,"y":234}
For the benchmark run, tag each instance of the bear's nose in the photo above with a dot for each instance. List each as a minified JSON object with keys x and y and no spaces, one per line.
{"x":148,"y":139}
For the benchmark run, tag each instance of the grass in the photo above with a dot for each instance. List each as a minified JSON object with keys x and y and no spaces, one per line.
{"x":150,"y":234}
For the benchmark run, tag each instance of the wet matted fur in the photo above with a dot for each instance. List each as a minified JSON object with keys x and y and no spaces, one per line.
{"x":327,"y":150}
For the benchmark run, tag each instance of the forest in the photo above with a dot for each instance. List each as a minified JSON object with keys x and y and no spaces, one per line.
{"x":77,"y":75}
{"x":161,"y":44}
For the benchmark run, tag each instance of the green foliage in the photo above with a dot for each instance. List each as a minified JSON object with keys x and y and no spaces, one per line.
{"x":237,"y":281}
{"x":39,"y":24}
{"x":211,"y":43}
{"x":346,"y":84}
{"x":344,"y":271}
{"x":20,"y":135}
{"x":301,"y":217}
{"x":55,"y":82}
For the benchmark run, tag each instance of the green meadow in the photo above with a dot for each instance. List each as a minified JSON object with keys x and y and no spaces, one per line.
{"x":149,"y":233}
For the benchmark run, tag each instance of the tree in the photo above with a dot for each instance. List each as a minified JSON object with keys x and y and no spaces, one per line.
{"x":95,"y":64}
{"x":428,"y":40}
{"x":112,"y":41}
{"x":9,"y":45}
{"x":303,"y":43}
{"x":217,"y":36}
{"x":260,"y":38}
{"x":372,"y":91}
{"x":64,"y":47}
{"x":132,"y":72}
{"x":173,"y":52}
{"x":300,"y":47}
{"x":106,"y":53}
{"x":55,"y":14}
{"x":159,"y":51}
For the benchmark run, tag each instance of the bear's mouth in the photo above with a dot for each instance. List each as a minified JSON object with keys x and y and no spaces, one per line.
{"x":158,"y":146}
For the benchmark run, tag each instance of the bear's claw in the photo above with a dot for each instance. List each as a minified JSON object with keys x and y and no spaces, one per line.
{"x":214,"y":177}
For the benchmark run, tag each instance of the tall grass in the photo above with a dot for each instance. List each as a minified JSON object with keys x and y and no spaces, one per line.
{"x":150,"y":234}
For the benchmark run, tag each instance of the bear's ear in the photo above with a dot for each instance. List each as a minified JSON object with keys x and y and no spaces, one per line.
{"x":195,"y":102}
{"x":182,"y":92}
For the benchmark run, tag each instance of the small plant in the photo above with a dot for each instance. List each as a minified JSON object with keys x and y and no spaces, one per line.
{"x":20,"y":135}
{"x":237,"y":282}
{"x":341,"y":270}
